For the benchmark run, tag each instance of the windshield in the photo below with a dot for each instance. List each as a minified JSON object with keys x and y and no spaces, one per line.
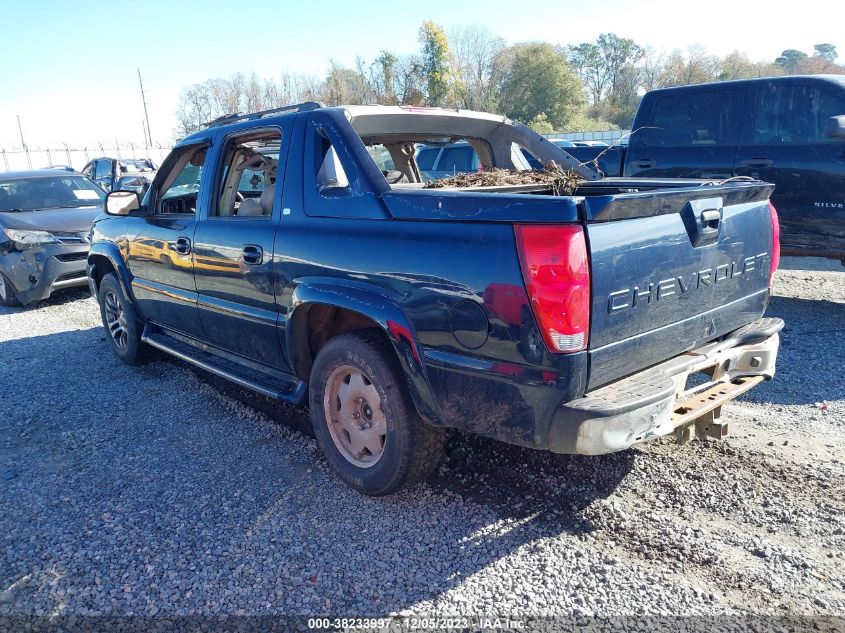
{"x":33,"y":194}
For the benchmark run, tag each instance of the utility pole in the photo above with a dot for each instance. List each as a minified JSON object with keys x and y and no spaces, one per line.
{"x":146,"y":139}
{"x":23,"y":143}
{"x":20,"y":129}
{"x":149,"y":138}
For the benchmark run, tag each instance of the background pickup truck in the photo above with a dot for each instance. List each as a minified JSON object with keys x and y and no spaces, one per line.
{"x":567,"y":321}
{"x":789,"y":131}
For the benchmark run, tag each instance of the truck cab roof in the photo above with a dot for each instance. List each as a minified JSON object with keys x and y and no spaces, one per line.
{"x":789,"y":79}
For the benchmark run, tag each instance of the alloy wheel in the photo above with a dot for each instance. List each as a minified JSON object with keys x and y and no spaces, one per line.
{"x":116,"y":321}
{"x":355,"y":416}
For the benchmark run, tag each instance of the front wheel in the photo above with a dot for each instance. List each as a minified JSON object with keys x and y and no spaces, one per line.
{"x":8,"y":296}
{"x":364,"y":419}
{"x":122,"y":328}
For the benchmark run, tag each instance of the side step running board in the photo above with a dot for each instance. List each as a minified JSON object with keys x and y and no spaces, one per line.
{"x":293,"y":391}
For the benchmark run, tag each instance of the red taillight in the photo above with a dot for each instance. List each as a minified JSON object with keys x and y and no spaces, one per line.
{"x":773,"y":214}
{"x":557,"y":278}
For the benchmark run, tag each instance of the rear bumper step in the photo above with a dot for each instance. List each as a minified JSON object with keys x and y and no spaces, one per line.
{"x":694,"y":407}
{"x":657,"y":401}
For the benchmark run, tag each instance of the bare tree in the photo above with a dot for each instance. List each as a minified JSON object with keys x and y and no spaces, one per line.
{"x":651,"y":70}
{"x":474,"y":56}
{"x":695,"y":67}
{"x":238,"y":93}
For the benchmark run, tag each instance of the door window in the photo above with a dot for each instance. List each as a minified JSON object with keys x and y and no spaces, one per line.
{"x":103,"y":169}
{"x":247,"y":185}
{"x":692,"y":118}
{"x":179,"y":189}
{"x":794,"y":114}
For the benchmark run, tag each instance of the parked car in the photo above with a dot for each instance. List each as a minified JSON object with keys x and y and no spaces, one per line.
{"x":62,"y":167}
{"x":789,"y":131}
{"x":448,"y":159}
{"x":45,"y":219}
{"x":589,"y":144}
{"x":121,"y":174}
{"x":534,"y":163}
{"x":568,"y":322}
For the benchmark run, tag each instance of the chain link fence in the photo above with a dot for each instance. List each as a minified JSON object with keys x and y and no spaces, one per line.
{"x":18,"y":159}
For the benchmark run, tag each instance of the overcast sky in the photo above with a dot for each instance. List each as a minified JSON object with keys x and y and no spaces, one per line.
{"x":69,"y":69}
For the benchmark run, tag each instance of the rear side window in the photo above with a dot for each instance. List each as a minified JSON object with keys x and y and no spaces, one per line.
{"x":794,"y":114}
{"x":425,"y":158}
{"x":693,"y":118}
{"x":456,"y":159}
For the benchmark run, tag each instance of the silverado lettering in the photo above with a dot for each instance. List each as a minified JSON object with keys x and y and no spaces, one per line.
{"x":622,"y":300}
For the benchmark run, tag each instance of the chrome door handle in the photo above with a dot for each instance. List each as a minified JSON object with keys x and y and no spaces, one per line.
{"x":252,"y":254}
{"x":183,"y":246}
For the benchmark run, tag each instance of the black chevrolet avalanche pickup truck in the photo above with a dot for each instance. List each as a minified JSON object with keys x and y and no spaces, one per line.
{"x":271,"y":249}
{"x":789,"y":131}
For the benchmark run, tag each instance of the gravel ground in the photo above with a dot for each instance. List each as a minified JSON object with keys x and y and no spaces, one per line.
{"x":159,"y":490}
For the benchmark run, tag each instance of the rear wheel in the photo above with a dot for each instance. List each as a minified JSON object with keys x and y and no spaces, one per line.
{"x":8,"y":296}
{"x":122,"y":327}
{"x":364,"y":419}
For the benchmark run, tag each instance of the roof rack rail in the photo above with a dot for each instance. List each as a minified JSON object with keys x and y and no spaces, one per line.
{"x":252,"y":116}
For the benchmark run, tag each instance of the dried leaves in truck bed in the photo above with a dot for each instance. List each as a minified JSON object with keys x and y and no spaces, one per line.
{"x":562,"y":182}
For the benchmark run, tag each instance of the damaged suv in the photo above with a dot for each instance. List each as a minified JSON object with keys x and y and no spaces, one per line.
{"x":45,"y":219}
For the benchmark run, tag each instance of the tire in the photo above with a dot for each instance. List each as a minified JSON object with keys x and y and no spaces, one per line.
{"x":123,"y":330}
{"x":8,"y":295}
{"x":531,"y":343}
{"x":356,"y":378}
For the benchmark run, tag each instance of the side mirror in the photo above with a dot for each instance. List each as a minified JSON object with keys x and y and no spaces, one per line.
{"x":835,"y":127}
{"x":122,"y":202}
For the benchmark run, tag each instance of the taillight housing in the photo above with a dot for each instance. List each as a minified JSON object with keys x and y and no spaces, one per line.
{"x":775,"y":259}
{"x":557,"y":278}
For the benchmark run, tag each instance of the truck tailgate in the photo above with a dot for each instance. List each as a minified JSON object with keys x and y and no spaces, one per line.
{"x":672,"y":269}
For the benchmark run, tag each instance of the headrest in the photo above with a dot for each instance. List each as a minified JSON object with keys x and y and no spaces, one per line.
{"x":266,"y":199}
{"x":249,"y":207}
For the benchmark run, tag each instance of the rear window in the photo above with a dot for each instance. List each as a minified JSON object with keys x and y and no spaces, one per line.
{"x":456,"y":159}
{"x":693,"y":118}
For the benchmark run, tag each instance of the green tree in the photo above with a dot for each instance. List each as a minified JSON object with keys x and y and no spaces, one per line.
{"x":385,"y":77}
{"x":435,"y":62}
{"x":607,"y":66}
{"x":541,"y":124}
{"x":826,"y":52}
{"x":790,"y":58}
{"x":538,"y":80}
